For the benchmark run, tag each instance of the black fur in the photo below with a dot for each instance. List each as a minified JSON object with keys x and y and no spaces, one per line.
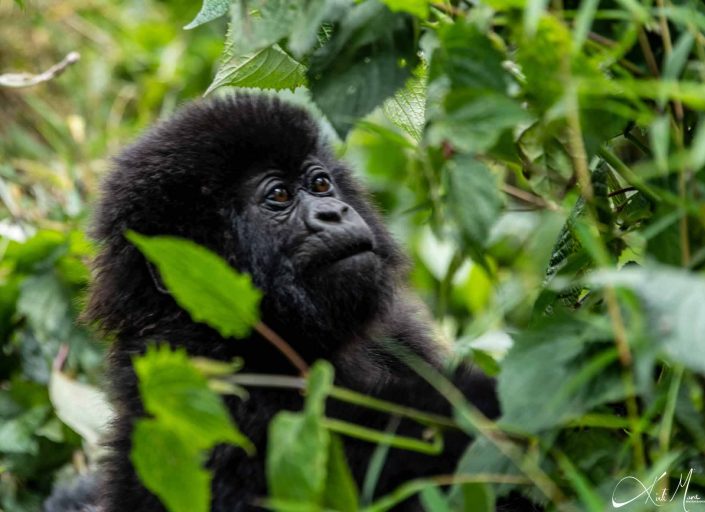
{"x":195,"y":176}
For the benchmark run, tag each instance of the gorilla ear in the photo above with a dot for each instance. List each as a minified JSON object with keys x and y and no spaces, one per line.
{"x":157,"y":279}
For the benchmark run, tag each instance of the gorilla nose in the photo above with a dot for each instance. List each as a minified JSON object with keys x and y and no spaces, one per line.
{"x":328,"y":212}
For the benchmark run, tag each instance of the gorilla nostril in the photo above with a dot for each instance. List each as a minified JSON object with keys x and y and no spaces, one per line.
{"x":330,"y":215}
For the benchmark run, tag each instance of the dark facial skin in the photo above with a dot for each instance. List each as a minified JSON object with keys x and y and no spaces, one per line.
{"x":318,"y":228}
{"x":308,"y":248}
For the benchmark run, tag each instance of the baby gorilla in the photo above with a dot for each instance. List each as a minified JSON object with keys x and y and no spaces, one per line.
{"x":250,"y":178}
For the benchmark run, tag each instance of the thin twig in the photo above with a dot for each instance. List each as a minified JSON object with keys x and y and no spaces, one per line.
{"x":283,"y":347}
{"x":19,"y":80}
{"x":648,"y":53}
{"x":528,"y":197}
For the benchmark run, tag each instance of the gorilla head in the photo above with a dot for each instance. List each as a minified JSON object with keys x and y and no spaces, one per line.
{"x":250,"y":178}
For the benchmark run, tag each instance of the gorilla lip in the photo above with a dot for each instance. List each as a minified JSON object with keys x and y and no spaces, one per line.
{"x":344,"y":253}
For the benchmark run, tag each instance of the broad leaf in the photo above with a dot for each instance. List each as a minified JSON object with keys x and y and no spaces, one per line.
{"x":179,"y":397}
{"x":82,"y":407}
{"x":270,"y":68}
{"x":469,"y":59}
{"x":474,"y":199}
{"x":473,"y":122}
{"x":674,"y":302}
{"x":407,"y":108}
{"x":297,"y":452}
{"x":340,"y":490}
{"x":210,"y":10}
{"x":171,"y":467}
{"x":367,"y":59}
{"x":203,"y":284}
{"x":581,"y":372}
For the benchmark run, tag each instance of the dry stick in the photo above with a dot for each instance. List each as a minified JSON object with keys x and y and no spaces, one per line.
{"x":648,"y":54}
{"x":528,"y":197}
{"x":18,"y":80}
{"x":283,"y":347}
{"x":668,"y":48}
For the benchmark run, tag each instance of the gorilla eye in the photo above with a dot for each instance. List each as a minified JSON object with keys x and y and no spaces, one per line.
{"x":321,"y":184}
{"x":279,"y":195}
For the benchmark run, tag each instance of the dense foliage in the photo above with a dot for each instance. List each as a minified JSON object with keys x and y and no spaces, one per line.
{"x":542,"y":164}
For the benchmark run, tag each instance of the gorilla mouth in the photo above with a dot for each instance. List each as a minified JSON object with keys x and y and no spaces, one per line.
{"x":347,"y":251}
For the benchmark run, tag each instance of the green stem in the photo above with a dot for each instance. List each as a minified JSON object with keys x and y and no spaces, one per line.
{"x":670,"y":410}
{"x":345,"y":395}
{"x":376,"y":436}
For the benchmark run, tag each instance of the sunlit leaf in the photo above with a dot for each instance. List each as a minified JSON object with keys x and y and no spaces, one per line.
{"x":270,"y":68}
{"x":203,"y":284}
{"x":179,"y":397}
{"x":210,"y":10}
{"x":171,"y":467}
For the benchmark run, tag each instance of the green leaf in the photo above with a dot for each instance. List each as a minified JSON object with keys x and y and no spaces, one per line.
{"x":203,"y":284}
{"x":210,"y":10}
{"x":482,"y":457}
{"x":469,"y":59}
{"x":418,"y":8}
{"x":297,"y":452}
{"x":407,"y":108}
{"x":255,"y":25}
{"x":17,"y":434}
{"x":171,"y":467}
{"x":474,"y":122}
{"x":45,"y":302}
{"x":433,"y":500}
{"x":368,"y":57}
{"x":543,"y":58}
{"x":674,"y":303}
{"x":179,"y":397}
{"x":659,"y":136}
{"x":579,"y":359}
{"x":305,"y":29}
{"x":676,"y":60}
{"x":340,"y":489}
{"x":532,"y":14}
{"x":270,"y":68}
{"x":583,"y":22}
{"x":296,"y":457}
{"x":474,"y":199}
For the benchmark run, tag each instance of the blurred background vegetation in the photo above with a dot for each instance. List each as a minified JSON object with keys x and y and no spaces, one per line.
{"x":479,"y":165}
{"x":56,"y":139}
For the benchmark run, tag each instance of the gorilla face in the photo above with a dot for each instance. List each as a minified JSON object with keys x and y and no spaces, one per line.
{"x":250,"y":178}
{"x":316,"y":258}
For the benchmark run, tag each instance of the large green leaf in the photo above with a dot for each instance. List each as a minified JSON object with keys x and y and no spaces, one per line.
{"x":580,"y":371}
{"x":255,"y":25}
{"x":407,"y":108}
{"x":473,"y":122}
{"x":469,"y":59}
{"x":203,"y":284}
{"x":17,"y":435}
{"x":210,"y":10}
{"x":177,"y":394}
{"x":270,"y":68}
{"x":368,"y":57}
{"x":297,"y":452}
{"x":171,"y":467}
{"x":340,"y":490}
{"x":474,"y":198}
{"x":674,"y":302}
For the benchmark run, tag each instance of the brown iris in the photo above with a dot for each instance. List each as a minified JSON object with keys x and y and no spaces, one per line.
{"x":321,"y":184}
